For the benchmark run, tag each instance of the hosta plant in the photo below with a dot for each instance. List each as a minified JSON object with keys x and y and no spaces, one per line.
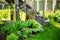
{"x":22,"y":28}
{"x":12,"y":36}
{"x":56,"y":17}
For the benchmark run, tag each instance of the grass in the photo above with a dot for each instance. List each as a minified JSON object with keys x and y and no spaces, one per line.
{"x":50,"y":33}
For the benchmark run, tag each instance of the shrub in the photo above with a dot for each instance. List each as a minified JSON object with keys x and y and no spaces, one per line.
{"x":14,"y":27}
{"x":5,"y":14}
{"x":36,"y":27}
{"x":9,"y":29}
{"x":12,"y":36}
{"x":56,"y":17}
{"x":22,"y":29}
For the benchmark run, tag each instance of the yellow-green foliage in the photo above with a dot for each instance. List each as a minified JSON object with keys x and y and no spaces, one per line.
{"x":22,"y":15}
{"x":57,"y":11}
{"x":5,"y":14}
{"x":46,"y":14}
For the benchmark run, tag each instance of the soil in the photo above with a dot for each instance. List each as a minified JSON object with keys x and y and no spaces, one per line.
{"x":3,"y":36}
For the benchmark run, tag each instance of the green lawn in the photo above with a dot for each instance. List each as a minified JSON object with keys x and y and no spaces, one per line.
{"x":50,"y":33}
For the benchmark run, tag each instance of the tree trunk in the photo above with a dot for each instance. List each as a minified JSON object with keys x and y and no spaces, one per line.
{"x":37,"y":5}
{"x":12,"y":15}
{"x":31,"y":3}
{"x":17,"y":9}
{"x":2,"y":6}
{"x":46,"y":8}
{"x":54,"y":5}
{"x":25,"y":5}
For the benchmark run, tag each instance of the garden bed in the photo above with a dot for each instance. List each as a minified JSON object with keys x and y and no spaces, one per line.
{"x":20,"y":30}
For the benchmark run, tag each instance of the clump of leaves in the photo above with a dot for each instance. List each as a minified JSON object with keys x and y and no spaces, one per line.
{"x":12,"y":36}
{"x":22,"y":29}
{"x":5,"y":14}
{"x":5,"y":30}
{"x":57,"y":17}
{"x":36,"y":27}
{"x":18,"y":33}
{"x":29,"y":23}
{"x":27,"y":32}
